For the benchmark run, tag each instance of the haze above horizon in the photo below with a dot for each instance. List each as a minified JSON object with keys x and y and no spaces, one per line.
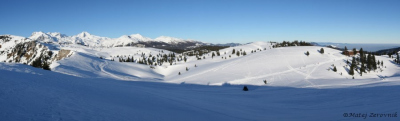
{"x":214,"y":21}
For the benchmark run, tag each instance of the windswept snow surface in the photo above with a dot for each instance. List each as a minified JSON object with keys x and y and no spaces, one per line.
{"x":28,"y":93}
{"x":300,"y":87}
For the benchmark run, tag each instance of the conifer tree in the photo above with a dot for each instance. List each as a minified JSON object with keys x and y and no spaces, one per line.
{"x":153,"y":59}
{"x":179,"y":73}
{"x":149,"y":61}
{"x":218,"y":54}
{"x":187,"y":69}
{"x":352,"y":66}
{"x":238,"y":53}
{"x":244,"y":53}
{"x":369,"y":62}
{"x":321,"y":51}
{"x":397,"y":54}
{"x":378,"y":63}
{"x":334,"y":69}
{"x":351,"y":71}
{"x":362,"y":69}
{"x":212,"y":55}
{"x":353,"y":62}
{"x":233,"y":51}
{"x":307,"y":53}
{"x":245,"y":88}
{"x":373,"y":62}
{"x":365,"y":58}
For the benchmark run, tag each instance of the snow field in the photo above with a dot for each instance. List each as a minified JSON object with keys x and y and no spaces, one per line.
{"x":29,"y":93}
{"x":285,"y":66}
{"x":300,"y":87}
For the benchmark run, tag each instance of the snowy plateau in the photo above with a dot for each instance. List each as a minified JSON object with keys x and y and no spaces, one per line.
{"x":87,"y":82}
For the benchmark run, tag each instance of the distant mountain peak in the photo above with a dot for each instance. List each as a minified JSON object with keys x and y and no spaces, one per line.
{"x":136,"y":35}
{"x":38,"y":33}
{"x":85,"y":38}
{"x":84,"y":34}
{"x":168,"y":39}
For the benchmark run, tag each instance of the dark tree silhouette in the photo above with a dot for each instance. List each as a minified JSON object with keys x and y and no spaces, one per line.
{"x":245,"y":88}
{"x":321,"y":51}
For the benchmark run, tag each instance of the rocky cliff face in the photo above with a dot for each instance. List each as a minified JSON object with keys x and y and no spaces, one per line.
{"x":30,"y":52}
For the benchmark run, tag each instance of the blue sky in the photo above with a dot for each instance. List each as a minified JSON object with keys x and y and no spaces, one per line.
{"x":215,"y":21}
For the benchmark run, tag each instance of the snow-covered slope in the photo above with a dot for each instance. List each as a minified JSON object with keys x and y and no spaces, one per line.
{"x":87,"y":63}
{"x":286,"y":66}
{"x":9,"y":41}
{"x":29,"y":93}
{"x":300,"y":87}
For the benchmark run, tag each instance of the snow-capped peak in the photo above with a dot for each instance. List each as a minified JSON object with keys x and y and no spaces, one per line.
{"x":39,"y":33}
{"x":41,"y":36}
{"x":47,"y":37}
{"x":136,"y":35}
{"x":140,"y":37}
{"x":84,"y":34}
{"x":167,"y":39}
{"x":125,"y":39}
{"x":124,"y":36}
{"x":85,"y":38}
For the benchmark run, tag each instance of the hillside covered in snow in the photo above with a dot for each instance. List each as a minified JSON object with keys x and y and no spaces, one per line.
{"x":100,"y":78}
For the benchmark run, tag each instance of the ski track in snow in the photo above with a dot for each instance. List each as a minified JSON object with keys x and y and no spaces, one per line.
{"x":105,"y":63}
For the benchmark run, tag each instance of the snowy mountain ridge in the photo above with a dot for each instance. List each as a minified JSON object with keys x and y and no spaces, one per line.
{"x":85,"y":38}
